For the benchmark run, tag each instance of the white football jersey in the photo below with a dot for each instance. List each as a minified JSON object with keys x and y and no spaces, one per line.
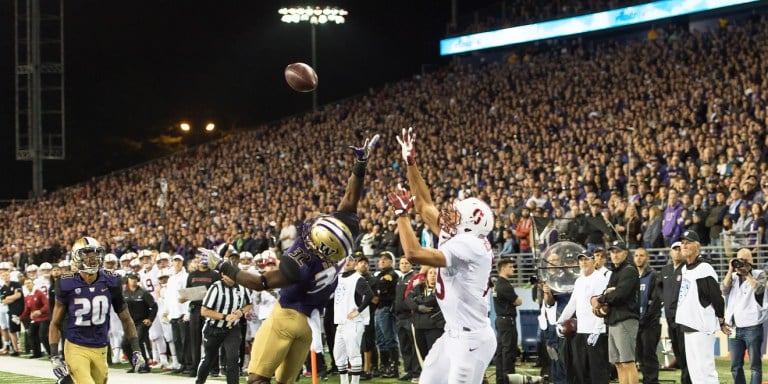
{"x":462,"y":285}
{"x":42,"y":283}
{"x":149,"y":281}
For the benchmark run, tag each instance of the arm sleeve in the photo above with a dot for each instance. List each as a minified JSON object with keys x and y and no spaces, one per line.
{"x":709,"y":293}
{"x":151,"y":306}
{"x":364,"y":291}
{"x":290,"y":269}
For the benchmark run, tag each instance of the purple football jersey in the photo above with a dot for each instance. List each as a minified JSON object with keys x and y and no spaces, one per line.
{"x":88,"y":307}
{"x":317,"y":280}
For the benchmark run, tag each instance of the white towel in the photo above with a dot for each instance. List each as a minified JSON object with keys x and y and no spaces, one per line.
{"x":315,"y":325}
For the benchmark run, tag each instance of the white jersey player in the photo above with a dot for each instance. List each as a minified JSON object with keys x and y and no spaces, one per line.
{"x":43,"y":279}
{"x":464,"y":258}
{"x":115,"y":325}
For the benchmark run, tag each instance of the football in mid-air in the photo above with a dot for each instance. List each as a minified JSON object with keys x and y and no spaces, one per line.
{"x":301,"y":77}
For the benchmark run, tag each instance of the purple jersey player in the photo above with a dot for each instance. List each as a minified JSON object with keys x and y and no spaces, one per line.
{"x":84,"y":297}
{"x":307,"y":275}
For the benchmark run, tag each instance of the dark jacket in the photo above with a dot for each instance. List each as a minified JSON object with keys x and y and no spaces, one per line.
{"x":402,"y":311}
{"x":421,"y":300}
{"x":669,"y":282}
{"x":385,"y":287}
{"x":652,"y":312}
{"x":624,"y":299}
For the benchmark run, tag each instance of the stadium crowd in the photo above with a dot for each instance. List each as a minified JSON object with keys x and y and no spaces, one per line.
{"x":547,"y":134}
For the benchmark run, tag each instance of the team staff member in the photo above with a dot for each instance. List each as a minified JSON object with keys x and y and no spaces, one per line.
{"x":351,"y":314}
{"x":745,"y":287}
{"x":671,"y":276}
{"x":368,"y":345}
{"x":700,"y":311}
{"x":36,"y":311}
{"x":589,"y":347}
{"x":404,"y":322}
{"x":143,"y":310}
{"x":649,"y":327}
{"x":385,"y":287}
{"x":622,"y":297}
{"x":505,"y":302}
{"x":202,"y":277}
{"x":224,"y":305}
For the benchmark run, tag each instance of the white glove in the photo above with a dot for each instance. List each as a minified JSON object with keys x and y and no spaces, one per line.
{"x":210,"y":257}
{"x":559,"y":330}
{"x":362,"y":153}
{"x":137,"y":360}
{"x":407,"y":142}
{"x":592,"y":339}
{"x":59,"y":367}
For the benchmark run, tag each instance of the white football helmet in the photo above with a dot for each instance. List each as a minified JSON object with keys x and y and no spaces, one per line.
{"x":110,"y":258}
{"x":80,"y":252}
{"x":470,"y":215}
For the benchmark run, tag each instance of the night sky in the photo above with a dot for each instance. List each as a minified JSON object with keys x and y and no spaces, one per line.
{"x":134,"y":69}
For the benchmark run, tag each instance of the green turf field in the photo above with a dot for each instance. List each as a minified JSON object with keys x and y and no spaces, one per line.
{"x":723,"y":368}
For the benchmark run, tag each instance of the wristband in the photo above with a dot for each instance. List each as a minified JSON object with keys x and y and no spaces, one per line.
{"x":264,"y":284}
{"x":54,"y":349}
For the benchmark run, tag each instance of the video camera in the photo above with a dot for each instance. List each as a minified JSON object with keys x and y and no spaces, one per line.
{"x":739,"y":263}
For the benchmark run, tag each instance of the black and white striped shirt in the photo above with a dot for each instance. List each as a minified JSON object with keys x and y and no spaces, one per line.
{"x":225,"y":300}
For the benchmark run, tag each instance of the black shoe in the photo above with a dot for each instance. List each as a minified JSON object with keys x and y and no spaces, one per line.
{"x":130,"y":370}
{"x":375,"y":372}
{"x":406,"y":377}
{"x":365,"y":376}
{"x":35,"y":356}
{"x":14,"y":353}
{"x":215,"y":374}
{"x":145,"y":369}
{"x":191,"y":373}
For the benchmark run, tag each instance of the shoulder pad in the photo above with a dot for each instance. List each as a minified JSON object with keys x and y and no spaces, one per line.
{"x":67,"y":275}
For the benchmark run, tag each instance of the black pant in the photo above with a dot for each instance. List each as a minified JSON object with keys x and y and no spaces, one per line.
{"x":330,"y":331}
{"x":645,"y":351}
{"x":407,"y":350}
{"x":228,"y":339}
{"x":425,"y":339}
{"x":589,"y":363}
{"x":506,"y":347}
{"x":195,"y":336}
{"x":678,"y":346}
{"x":38,"y":333}
{"x":142,"y":331}
{"x":180,"y":330}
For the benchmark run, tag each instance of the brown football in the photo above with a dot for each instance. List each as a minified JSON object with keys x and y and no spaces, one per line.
{"x":570,"y":326}
{"x":301,"y":77}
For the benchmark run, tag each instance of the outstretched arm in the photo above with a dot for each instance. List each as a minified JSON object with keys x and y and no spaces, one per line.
{"x":355,"y":183}
{"x":414,"y":252}
{"x":423,"y":201}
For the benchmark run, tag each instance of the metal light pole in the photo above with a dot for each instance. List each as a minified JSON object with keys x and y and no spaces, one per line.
{"x":314,"y":16}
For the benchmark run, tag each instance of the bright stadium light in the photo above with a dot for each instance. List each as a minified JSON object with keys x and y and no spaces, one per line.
{"x":314,"y":16}
{"x":210,"y":127}
{"x":184,"y":127}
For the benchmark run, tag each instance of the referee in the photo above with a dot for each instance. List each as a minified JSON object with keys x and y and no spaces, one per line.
{"x":223,"y":306}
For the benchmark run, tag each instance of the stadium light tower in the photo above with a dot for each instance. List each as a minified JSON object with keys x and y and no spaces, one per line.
{"x":314,"y":16}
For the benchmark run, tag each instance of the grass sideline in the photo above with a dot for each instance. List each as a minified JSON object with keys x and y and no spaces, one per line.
{"x":723,"y":369}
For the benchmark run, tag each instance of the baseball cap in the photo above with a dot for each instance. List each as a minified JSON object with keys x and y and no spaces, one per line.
{"x":31,"y":268}
{"x":618,"y":244}
{"x":392,"y":222}
{"x":676,"y":244}
{"x":178,"y":257}
{"x":132,"y":275}
{"x":587,"y":254}
{"x":691,"y":236}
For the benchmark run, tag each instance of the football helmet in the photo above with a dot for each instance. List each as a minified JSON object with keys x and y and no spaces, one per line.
{"x":470,"y":215}
{"x":329,"y":238}
{"x":82,"y":261}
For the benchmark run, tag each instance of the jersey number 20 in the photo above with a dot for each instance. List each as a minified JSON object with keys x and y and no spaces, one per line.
{"x":98,"y":309}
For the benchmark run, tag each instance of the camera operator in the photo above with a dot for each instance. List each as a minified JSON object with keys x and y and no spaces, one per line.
{"x":744,"y":287}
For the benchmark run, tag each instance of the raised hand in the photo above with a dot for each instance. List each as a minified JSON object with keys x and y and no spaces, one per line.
{"x":362,"y":153}
{"x":407,"y":144}
{"x":208,"y":256}
{"x":401,"y":200}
